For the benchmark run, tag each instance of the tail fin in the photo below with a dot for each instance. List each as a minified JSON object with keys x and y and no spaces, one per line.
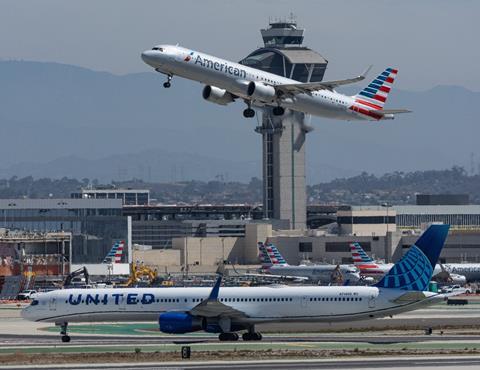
{"x":269,"y":255}
{"x":358,"y":254}
{"x":415,"y":269}
{"x":375,"y":94}
{"x":115,"y":254}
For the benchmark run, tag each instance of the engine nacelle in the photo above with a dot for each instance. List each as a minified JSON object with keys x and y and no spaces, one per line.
{"x":216,"y":95}
{"x":260,"y":91}
{"x":179,"y":323}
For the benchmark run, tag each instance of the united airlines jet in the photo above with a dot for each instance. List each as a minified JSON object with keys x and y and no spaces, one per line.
{"x":228,"y":310}
{"x":227,"y":81}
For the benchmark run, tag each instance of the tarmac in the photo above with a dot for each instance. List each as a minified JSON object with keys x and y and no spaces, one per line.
{"x":455,"y":328}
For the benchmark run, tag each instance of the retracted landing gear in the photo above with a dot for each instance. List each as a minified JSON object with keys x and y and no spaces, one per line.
{"x":168,"y":84}
{"x":228,"y":337}
{"x":63,"y":332}
{"x":278,"y":111}
{"x":251,"y":335}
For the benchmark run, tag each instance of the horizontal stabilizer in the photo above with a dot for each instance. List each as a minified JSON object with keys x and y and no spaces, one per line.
{"x":392,"y":111}
{"x":410,"y":297}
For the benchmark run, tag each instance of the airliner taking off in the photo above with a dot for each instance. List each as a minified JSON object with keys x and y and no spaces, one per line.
{"x":226,"y":81}
{"x":227,"y":310}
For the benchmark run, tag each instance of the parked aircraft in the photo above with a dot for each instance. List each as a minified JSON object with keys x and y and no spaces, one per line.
{"x":273,"y":263}
{"x":230,"y":309}
{"x":369,"y":268}
{"x":115,"y":254}
{"x":227,"y":81}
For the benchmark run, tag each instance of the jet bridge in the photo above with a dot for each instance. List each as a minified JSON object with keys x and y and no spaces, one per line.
{"x":283,"y":137}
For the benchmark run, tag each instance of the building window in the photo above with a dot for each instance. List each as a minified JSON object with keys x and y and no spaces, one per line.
{"x":305,"y":247}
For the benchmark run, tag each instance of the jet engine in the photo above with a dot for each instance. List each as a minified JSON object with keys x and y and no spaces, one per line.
{"x":216,"y":95}
{"x":260,"y":91}
{"x":179,"y":323}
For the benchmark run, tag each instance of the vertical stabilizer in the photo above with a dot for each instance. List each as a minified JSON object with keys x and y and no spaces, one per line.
{"x":415,"y":269}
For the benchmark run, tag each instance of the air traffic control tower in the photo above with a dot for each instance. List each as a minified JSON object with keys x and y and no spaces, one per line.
{"x":283,"y":137}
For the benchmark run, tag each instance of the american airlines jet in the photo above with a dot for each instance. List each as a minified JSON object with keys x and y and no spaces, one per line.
{"x":227,"y":310}
{"x":442,"y":272}
{"x":274,"y":263}
{"x":226,"y":81}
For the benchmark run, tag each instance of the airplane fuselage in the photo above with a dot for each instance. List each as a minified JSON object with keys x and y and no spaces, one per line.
{"x":235,"y":78}
{"x":318,"y":273}
{"x":260,"y":304}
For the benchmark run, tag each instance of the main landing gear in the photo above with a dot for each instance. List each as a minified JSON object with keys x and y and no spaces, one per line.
{"x":63,"y":332}
{"x":249,"y":113}
{"x":251,"y":335}
{"x":228,"y":337}
{"x":168,"y":84}
{"x":278,"y":111}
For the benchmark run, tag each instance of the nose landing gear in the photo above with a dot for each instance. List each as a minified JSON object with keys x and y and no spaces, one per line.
{"x":63,"y":332}
{"x":167,"y":84}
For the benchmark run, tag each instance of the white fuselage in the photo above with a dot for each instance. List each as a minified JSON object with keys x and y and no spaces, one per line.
{"x":259,"y":304}
{"x":235,"y":77}
{"x":318,"y":273}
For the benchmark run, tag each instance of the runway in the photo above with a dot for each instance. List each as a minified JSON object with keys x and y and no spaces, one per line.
{"x":392,"y":363}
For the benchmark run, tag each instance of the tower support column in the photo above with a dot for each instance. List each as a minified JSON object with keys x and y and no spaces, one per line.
{"x":284,"y":185}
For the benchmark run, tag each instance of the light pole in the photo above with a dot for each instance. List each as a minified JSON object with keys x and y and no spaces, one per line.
{"x":387,"y":249}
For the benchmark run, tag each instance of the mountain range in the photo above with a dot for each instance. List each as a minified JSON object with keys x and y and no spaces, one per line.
{"x":60,"y":120}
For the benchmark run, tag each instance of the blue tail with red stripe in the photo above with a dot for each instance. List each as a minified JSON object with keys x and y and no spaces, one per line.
{"x":375,"y":94}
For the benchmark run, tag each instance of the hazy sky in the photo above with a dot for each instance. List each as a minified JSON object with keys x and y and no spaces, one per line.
{"x":431,"y":42}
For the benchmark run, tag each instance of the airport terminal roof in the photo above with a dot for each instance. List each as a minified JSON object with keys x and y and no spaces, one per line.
{"x":472,"y":209}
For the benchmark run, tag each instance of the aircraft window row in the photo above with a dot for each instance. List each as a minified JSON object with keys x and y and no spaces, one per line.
{"x":256,"y":299}
{"x":168,"y":300}
{"x":336,"y":299}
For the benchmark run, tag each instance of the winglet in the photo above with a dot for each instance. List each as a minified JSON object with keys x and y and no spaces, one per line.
{"x":216,"y":288}
{"x":365,"y":73}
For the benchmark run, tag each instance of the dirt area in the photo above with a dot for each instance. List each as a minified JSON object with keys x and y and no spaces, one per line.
{"x":119,"y":357}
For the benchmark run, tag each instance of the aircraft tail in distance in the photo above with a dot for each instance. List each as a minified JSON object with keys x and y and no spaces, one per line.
{"x":414,"y":271}
{"x":115,"y":254}
{"x":269,"y":255}
{"x":358,"y":254}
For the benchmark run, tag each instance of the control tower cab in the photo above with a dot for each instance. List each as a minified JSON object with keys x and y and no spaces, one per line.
{"x":285,"y":56}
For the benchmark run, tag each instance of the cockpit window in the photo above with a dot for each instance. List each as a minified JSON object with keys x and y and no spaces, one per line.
{"x":157,"y":48}
{"x":34,"y":303}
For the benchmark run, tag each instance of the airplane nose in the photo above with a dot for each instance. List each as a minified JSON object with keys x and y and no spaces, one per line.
{"x":148,"y":57}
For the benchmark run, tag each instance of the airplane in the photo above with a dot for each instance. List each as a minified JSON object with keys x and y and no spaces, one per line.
{"x":273,"y":263}
{"x":115,"y":254}
{"x":369,"y":268}
{"x":227,"y":81}
{"x":228,"y":310}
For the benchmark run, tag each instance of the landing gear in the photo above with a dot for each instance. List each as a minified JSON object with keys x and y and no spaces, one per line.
{"x":228,"y":337}
{"x":278,"y":111}
{"x":251,"y":335}
{"x":63,"y":332}
{"x":168,"y":84}
{"x":249,"y":113}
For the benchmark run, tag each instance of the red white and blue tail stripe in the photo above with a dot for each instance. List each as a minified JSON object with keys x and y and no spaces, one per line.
{"x":373,"y":97}
{"x":115,"y":254}
{"x":269,"y":255}
{"x":358,"y":254}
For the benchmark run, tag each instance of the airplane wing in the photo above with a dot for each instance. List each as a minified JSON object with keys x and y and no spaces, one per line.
{"x":212,"y":307}
{"x":323,"y":85}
